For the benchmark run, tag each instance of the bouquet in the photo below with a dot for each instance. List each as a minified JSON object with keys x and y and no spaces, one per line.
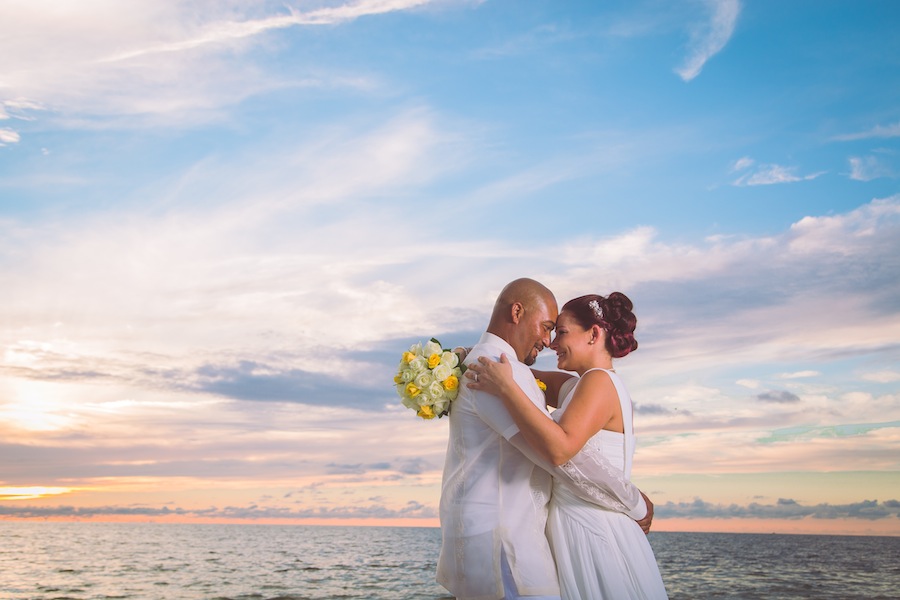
{"x":428,"y":379}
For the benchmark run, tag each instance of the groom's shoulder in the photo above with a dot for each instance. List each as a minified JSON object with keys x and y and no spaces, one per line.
{"x":485,"y":349}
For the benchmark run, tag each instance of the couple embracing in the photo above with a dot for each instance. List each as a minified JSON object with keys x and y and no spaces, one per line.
{"x":539,"y":506}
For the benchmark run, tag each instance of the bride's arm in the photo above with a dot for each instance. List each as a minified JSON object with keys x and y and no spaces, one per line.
{"x":589,"y":475}
{"x":593,"y":479}
{"x":556,"y":442}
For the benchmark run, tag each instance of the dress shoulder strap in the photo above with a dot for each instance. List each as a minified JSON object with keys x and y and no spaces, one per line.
{"x":627,"y":415}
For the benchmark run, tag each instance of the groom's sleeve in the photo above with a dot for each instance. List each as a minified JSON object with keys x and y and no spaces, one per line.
{"x":591,"y":478}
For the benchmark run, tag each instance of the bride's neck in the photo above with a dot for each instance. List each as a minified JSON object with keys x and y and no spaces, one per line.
{"x":605,"y":363}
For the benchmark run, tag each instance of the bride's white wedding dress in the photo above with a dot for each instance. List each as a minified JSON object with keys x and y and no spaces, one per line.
{"x":602,"y":554}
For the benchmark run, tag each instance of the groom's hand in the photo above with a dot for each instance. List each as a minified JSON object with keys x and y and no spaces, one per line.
{"x":645,"y":522}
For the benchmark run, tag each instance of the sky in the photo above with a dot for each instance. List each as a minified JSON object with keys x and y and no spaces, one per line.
{"x":222,"y":222}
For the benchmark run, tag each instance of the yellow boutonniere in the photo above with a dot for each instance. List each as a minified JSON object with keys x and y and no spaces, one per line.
{"x":541,"y":384}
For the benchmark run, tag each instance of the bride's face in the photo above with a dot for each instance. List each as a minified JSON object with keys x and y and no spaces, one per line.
{"x":570,"y":342}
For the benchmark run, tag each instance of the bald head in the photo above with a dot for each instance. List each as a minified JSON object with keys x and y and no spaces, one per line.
{"x":524,"y":315}
{"x":528,"y":292}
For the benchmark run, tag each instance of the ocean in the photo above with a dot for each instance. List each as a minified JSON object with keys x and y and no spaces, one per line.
{"x":146,"y":561}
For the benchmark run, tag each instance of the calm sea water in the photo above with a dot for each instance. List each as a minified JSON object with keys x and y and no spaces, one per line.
{"x":81,"y":561}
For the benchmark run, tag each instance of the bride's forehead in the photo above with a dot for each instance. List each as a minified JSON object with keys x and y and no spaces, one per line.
{"x":565,"y":318}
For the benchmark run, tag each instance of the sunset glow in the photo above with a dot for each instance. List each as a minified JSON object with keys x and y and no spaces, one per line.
{"x":222,"y":223}
{"x":31,"y":493}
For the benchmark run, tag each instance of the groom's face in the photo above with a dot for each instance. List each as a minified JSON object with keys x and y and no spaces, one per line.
{"x":537,"y":327}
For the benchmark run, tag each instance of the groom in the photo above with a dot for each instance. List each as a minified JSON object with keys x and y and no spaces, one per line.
{"x":495,"y":488}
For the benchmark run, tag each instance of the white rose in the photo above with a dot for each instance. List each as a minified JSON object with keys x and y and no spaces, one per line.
{"x":423,"y":380}
{"x":451,"y":359}
{"x":436,"y":390}
{"x":441,"y":372}
{"x":416,"y":349}
{"x":432,"y":348}
{"x":418,"y":364}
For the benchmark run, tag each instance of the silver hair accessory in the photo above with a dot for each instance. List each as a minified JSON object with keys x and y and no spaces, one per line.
{"x":595,"y":306}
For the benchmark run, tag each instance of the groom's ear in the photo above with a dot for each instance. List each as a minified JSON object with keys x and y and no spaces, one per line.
{"x":516,"y":312}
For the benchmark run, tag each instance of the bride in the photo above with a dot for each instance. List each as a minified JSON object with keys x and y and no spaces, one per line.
{"x":599,"y":554}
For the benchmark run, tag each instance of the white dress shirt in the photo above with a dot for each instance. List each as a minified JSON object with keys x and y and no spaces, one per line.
{"x":494,"y":497}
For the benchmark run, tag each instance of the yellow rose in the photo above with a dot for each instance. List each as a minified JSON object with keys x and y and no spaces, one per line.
{"x":451,"y":383}
{"x":412,"y":391}
{"x":425,"y":412}
{"x":434,"y":360}
{"x":398,"y":378}
{"x":408,"y":356}
{"x":541,"y":384}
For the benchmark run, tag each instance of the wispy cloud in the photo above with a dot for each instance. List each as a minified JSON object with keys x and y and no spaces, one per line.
{"x":882,"y":376}
{"x":834,"y":431}
{"x":167,"y":63}
{"x":224,"y":31}
{"x":709,"y":38}
{"x":784,"y":508}
{"x":767,"y":174}
{"x":226,"y":220}
{"x":372,"y":510}
{"x":8,"y":136}
{"x":867,"y":168}
{"x":254,"y":326}
{"x":799,"y":375}
{"x":742,"y":164}
{"x":879,"y":131}
{"x":527,"y":43}
{"x":780,"y":397}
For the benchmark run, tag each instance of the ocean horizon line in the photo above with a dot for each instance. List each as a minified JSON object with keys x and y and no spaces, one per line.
{"x":394,"y":525}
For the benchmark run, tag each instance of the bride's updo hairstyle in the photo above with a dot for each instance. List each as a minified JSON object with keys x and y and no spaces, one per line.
{"x":613,"y":314}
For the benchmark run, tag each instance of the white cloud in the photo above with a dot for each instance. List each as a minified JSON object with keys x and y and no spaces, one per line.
{"x":882,"y":376}
{"x":742,"y":164}
{"x":879,"y":131}
{"x":223,"y":32}
{"x":854,"y":229}
{"x":799,"y":375}
{"x":8,"y":136}
{"x":187,"y":320}
{"x":252,"y":306}
{"x":709,"y":39}
{"x":784,"y":508}
{"x":103,"y":63}
{"x":867,"y":168}
{"x":773,"y":174}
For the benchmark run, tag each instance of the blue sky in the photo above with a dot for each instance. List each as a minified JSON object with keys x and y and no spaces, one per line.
{"x":221,"y":223}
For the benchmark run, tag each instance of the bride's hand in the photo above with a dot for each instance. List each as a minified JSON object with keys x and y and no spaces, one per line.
{"x":491,"y":376}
